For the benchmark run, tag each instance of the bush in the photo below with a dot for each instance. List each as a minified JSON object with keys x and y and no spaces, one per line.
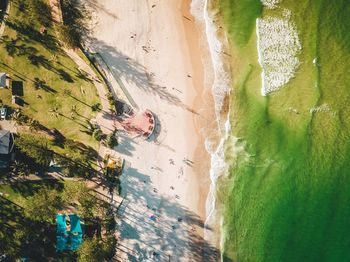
{"x":76,"y":19}
{"x":36,"y":148}
{"x":97,"y":134}
{"x":109,"y":248}
{"x":95,"y":250}
{"x":112,"y":140}
{"x":96,"y":107}
{"x":111,"y":100}
{"x":44,"y":205}
{"x":77,"y":160}
{"x":91,"y":250}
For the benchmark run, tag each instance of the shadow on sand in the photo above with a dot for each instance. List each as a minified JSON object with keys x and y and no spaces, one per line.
{"x":170,"y":236}
{"x":133,"y":72}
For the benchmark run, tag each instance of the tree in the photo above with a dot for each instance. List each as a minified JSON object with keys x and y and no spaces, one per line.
{"x":109,"y":247}
{"x":112,"y":139}
{"x":36,"y":148}
{"x":33,"y":124}
{"x":75,"y":25}
{"x":78,"y":159}
{"x":54,"y":111}
{"x":91,"y":250}
{"x":72,"y":192}
{"x":77,"y":194}
{"x":38,"y":83}
{"x":19,"y":168}
{"x":111,"y":100}
{"x":97,"y":134}
{"x":19,"y":117}
{"x":44,"y":205}
{"x":95,"y":250}
{"x":96,"y":107}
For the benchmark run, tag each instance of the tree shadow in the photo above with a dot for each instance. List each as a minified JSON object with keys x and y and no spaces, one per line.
{"x":171,"y":234}
{"x":14,"y":71}
{"x":84,"y":76}
{"x":29,"y":188}
{"x":34,"y":57}
{"x":76,"y":19}
{"x":64,"y":75}
{"x":41,"y":84}
{"x":97,"y":6}
{"x":78,"y":100}
{"x":131,"y":71}
{"x":22,"y":237}
{"x":30,"y":34}
{"x":125,"y":144}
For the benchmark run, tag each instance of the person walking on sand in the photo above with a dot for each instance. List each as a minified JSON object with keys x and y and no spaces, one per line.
{"x":187,"y":162}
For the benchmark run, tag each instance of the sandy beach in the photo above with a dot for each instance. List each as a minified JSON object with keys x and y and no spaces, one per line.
{"x":155,"y":49}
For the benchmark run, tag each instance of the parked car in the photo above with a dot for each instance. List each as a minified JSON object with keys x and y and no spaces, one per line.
{"x":3,"y":113}
{"x":3,"y":257}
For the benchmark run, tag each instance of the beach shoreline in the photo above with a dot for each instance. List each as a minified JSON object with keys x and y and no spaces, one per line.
{"x":203,"y":103}
{"x":161,"y":65}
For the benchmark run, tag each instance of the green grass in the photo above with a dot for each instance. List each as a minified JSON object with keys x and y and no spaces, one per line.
{"x":40,"y":56}
{"x":19,"y":235}
{"x":19,"y":191}
{"x":288,"y":194}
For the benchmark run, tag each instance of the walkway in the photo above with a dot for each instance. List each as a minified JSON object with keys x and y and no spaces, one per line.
{"x":3,"y":22}
{"x":117,"y":87}
{"x":105,"y":119}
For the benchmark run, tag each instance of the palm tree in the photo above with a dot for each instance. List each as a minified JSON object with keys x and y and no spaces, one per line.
{"x":53,"y":58}
{"x":67,"y":92}
{"x":54,"y":111}
{"x":33,"y":124}
{"x":38,"y":83}
{"x":18,"y":117}
{"x":18,"y":168}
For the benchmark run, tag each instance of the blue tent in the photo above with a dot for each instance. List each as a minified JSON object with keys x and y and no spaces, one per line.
{"x":61,"y":230}
{"x":68,"y":240}
{"x":75,"y":226}
{"x":75,"y":241}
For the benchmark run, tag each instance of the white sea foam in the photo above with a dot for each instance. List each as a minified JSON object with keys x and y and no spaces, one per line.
{"x":324,"y":108}
{"x":221,"y":79}
{"x":278,"y":47}
{"x":271,"y":4}
{"x":220,"y":89}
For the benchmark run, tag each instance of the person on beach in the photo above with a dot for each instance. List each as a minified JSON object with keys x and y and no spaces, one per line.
{"x":181,"y":171}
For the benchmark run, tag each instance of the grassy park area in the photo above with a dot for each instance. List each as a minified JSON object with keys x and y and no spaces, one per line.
{"x":51,"y":89}
{"x":28,"y":211}
{"x":55,"y":102}
{"x":288,"y":194}
{"x":23,"y":236}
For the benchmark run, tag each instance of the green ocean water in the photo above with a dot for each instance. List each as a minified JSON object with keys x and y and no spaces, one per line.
{"x":287,"y":196}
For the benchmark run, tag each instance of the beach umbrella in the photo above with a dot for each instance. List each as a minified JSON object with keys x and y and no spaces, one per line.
{"x":152,"y":217}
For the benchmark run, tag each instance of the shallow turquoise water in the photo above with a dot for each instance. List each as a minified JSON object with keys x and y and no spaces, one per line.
{"x":288,"y":194}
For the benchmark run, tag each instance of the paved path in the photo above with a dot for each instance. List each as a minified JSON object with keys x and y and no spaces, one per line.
{"x":118,"y":89}
{"x":7,"y":12}
{"x":105,"y":119}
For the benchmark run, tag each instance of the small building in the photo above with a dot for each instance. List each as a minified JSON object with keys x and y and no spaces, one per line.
{"x":3,"y":80}
{"x":6,"y":146}
{"x":6,"y":142}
